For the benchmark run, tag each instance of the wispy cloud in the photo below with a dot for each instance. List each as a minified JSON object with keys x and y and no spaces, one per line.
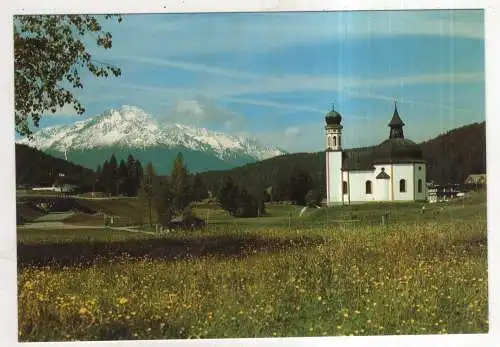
{"x":451,"y":78}
{"x":370,"y":95}
{"x":271,"y":83}
{"x":309,"y":137}
{"x":278,"y":105}
{"x":197,"y":34}
{"x":189,"y":66}
{"x":249,"y":83}
{"x":203,"y":112}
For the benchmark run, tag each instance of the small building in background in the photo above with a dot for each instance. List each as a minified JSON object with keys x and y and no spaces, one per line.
{"x":443,"y":192}
{"x":65,"y":184}
{"x":478,"y":180}
{"x":186,"y":222}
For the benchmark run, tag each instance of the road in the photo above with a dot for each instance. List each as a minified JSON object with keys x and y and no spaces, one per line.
{"x":58,"y":225}
{"x":54,"y":217}
{"x":48,"y":195}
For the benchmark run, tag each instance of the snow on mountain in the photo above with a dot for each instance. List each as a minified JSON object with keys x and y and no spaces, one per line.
{"x":131,"y":127}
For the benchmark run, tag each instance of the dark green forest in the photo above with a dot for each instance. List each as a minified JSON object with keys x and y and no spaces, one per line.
{"x":36,"y":168}
{"x":451,"y":158}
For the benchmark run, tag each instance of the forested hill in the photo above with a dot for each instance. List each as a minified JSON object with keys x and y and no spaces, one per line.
{"x":33,"y":167}
{"x":451,"y":158}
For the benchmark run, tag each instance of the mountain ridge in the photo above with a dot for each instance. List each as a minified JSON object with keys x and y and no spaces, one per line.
{"x":130,"y":129}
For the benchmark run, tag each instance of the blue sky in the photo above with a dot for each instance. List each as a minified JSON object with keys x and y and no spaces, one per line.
{"x":275,"y":75}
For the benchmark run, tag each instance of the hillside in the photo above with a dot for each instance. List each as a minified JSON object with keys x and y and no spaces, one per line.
{"x":456,"y":154}
{"x":35,"y":168}
{"x":451,"y":158}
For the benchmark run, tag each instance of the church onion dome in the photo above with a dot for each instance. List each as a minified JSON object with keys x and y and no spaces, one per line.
{"x":394,"y":150}
{"x":333,"y":117}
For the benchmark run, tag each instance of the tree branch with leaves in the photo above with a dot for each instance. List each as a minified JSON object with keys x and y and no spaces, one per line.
{"x":49,"y":54}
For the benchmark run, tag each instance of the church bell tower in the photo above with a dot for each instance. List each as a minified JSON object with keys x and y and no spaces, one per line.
{"x":333,"y":137}
{"x":396,"y":124}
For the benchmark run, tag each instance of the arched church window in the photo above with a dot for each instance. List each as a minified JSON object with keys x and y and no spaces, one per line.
{"x":334,"y":141}
{"x":419,"y":185}
{"x":368,"y":187}
{"x":344,"y":187}
{"x":402,"y":186}
{"x":339,"y":141}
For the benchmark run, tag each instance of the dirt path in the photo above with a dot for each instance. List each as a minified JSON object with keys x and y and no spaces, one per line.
{"x":60,"y":225}
{"x":54,"y":217}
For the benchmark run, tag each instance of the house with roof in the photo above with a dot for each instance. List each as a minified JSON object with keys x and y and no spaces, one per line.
{"x":394,"y":170}
{"x":476,"y":179}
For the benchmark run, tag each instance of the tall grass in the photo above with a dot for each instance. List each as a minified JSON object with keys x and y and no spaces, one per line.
{"x":406,"y":278}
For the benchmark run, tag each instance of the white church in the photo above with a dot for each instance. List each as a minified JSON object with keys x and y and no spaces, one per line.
{"x":392,"y":171}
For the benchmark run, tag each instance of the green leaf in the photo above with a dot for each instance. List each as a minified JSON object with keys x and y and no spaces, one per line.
{"x":49,"y":53}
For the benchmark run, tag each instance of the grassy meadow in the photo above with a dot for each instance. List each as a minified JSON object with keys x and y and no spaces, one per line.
{"x":329,"y":272}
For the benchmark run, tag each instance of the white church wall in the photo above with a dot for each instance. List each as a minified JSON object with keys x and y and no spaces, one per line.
{"x":382,"y":186}
{"x":420,"y":174}
{"x":357,"y":191}
{"x":382,"y":189}
{"x":399,"y":172}
{"x":334,"y":186}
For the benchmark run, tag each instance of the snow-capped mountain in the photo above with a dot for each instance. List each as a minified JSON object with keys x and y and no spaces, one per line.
{"x":129,"y":128}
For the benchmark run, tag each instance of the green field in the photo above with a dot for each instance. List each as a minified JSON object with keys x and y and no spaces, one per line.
{"x":334,"y":271}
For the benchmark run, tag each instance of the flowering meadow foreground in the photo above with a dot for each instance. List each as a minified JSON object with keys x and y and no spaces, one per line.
{"x":406,"y":278}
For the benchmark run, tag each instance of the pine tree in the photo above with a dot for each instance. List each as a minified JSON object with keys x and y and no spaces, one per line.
{"x":299,"y":184}
{"x":131,"y":183}
{"x":113,"y":171}
{"x":244,"y":202}
{"x":281,"y":186}
{"x":228,"y":197}
{"x":249,"y":204}
{"x":122,"y":175}
{"x":163,"y":202}
{"x":98,"y":179}
{"x":106,"y":177}
{"x":179,"y":184}
{"x":198,"y":190}
{"x":139,"y":174}
{"x":147,"y":191}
